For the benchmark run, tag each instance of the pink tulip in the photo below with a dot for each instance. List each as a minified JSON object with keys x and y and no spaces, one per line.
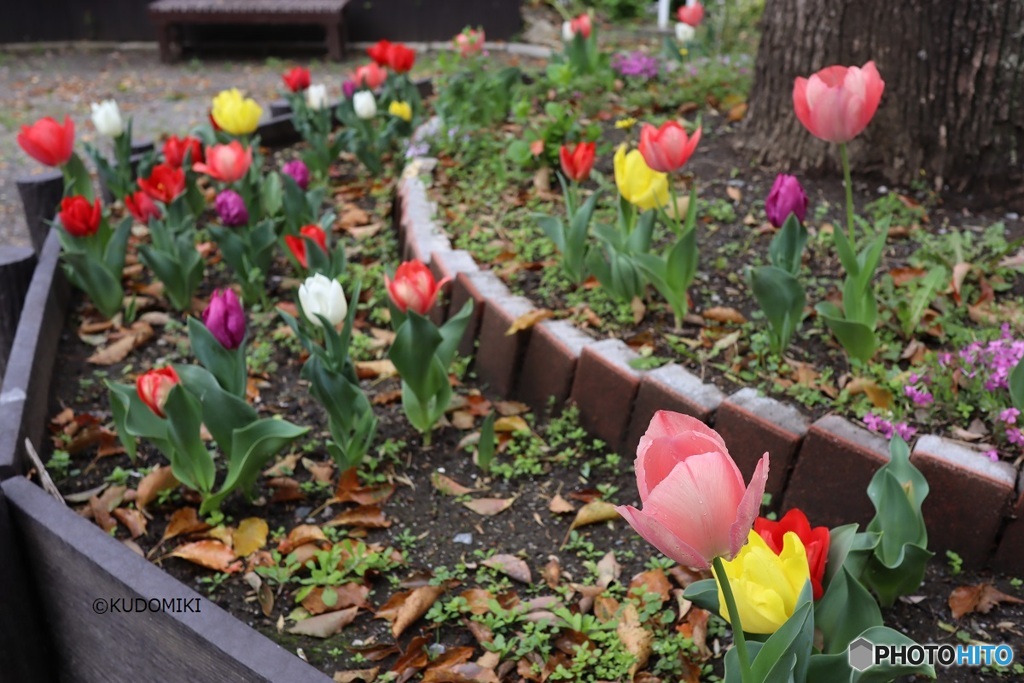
{"x":691,"y":14}
{"x":470,"y":41}
{"x":582,"y":24}
{"x":668,"y":148}
{"x":414,"y":287}
{"x":226,"y":163}
{"x":695,"y":506}
{"x":370,"y":76}
{"x":837,"y":103}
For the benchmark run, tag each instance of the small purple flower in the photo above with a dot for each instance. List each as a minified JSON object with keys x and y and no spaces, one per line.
{"x":1014,"y":436}
{"x":992,"y":455}
{"x":298,"y":171}
{"x":636,"y":64}
{"x":1009,"y":416}
{"x":905,"y":431}
{"x":879,"y":425}
{"x":231,"y":208}
{"x":786,"y":197}
{"x":348,"y":88}
{"x":920,"y":397}
{"x":225,"y":318}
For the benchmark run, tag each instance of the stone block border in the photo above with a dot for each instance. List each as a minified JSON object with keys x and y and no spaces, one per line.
{"x":976,"y":508}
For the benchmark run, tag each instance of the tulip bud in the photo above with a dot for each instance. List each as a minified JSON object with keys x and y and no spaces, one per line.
{"x":567,"y":32}
{"x":225,"y":319}
{"x":298,"y":171}
{"x":141,"y":205}
{"x":685,"y":33}
{"x":413,"y":288}
{"x":297,"y":244}
{"x":320,"y":295}
{"x":348,"y":88}
{"x":786,"y":197}
{"x":154,"y":386}
{"x":47,"y":141}
{"x":107,"y":119}
{"x":365,"y":105}
{"x":79,"y":217}
{"x":401,"y":109}
{"x":316,"y":96}
{"x":231,"y":208}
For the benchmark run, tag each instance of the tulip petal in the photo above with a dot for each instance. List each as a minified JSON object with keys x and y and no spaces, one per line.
{"x":655,"y":533}
{"x":698,"y":438}
{"x":749,"y":506}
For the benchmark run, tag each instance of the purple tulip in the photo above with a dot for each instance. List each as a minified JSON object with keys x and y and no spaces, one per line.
{"x":785,"y":198}
{"x":225,"y":318}
{"x":298,"y":171}
{"x":348,"y":89}
{"x":231,"y":208}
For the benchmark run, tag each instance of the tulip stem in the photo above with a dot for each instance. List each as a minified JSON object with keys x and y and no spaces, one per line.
{"x":848,"y":182}
{"x":746,"y":675}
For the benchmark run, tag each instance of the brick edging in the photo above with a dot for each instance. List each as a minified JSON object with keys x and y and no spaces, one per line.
{"x":822,"y":466}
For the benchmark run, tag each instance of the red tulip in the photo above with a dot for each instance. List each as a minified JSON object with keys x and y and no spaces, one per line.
{"x":581,"y":24}
{"x":668,"y":148}
{"x":414,"y":287}
{"x":837,"y":103}
{"x":79,"y":217}
{"x":227,"y":163}
{"x":816,"y":542}
{"x":154,"y":386}
{"x":695,"y":506}
{"x":140,"y":205}
{"x":401,"y":58}
{"x":297,"y":245}
{"x":296,"y":79}
{"x":164,"y":183}
{"x":691,"y":14}
{"x":380,"y":52}
{"x":175,"y":148}
{"x":48,"y":142}
{"x":578,"y":161}
{"x":370,"y":76}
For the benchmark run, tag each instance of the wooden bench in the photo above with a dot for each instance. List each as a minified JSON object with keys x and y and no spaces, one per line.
{"x":170,"y":15}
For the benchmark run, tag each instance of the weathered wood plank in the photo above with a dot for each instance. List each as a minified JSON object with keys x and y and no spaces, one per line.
{"x":25,"y":648}
{"x":24,"y":396}
{"x":79,"y":565}
{"x":40,"y":197}
{"x":16,"y":266}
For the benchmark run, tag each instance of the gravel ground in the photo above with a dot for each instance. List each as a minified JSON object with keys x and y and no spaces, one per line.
{"x":162,"y":99}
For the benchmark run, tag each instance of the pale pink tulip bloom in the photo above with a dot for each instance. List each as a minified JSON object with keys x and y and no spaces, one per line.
{"x":226,"y":163}
{"x":667,"y":149}
{"x":837,"y":103}
{"x":695,"y":505}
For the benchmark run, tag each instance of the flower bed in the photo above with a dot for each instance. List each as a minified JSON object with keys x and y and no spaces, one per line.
{"x":347,"y":520}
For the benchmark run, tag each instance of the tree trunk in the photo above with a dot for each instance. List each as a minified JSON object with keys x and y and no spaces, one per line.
{"x":952,"y":112}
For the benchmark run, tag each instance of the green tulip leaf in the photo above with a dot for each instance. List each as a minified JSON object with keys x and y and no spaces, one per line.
{"x":844,"y":611}
{"x":857,"y":338}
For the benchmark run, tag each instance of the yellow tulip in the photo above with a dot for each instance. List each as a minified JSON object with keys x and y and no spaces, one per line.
{"x":766,"y":586}
{"x":401,"y":109}
{"x":639,"y":183}
{"x":234,"y":113}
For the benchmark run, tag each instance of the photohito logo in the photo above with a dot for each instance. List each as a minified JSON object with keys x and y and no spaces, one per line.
{"x":863,"y":654}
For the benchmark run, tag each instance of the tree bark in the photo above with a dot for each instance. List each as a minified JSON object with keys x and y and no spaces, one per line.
{"x":951,"y":113}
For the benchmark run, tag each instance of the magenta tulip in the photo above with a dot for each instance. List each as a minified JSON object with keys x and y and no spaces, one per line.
{"x":837,"y":103}
{"x":695,"y":505}
{"x":787,"y":197}
{"x":298,"y":171}
{"x":225,"y":319}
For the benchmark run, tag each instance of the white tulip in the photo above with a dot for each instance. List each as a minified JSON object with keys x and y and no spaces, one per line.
{"x":364,"y":104}
{"x":684,"y":32}
{"x":322,"y":295}
{"x":567,"y":32}
{"x":316,"y":96}
{"x":107,"y":118}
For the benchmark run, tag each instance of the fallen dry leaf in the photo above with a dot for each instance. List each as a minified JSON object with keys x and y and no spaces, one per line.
{"x":344,"y":596}
{"x":353,"y":675}
{"x":301,"y":535}
{"x":184,"y":521}
{"x":608,"y":570}
{"x":528,"y":320}
{"x":250,"y":536}
{"x":509,"y":408}
{"x":349,"y":490}
{"x":161,"y":478}
{"x":511,"y":566}
{"x":724,"y":314}
{"x":652,"y":581}
{"x":879,"y":396}
{"x":138,"y":334}
{"x":403,"y":609}
{"x":210,"y":554}
{"x":284,"y":467}
{"x":449,"y":486}
{"x":365,"y":516}
{"x":132,"y":519}
{"x":511,"y":423}
{"x":375,"y":369}
{"x":980,"y":598}
{"x":637,"y":640}
{"x":325,"y":625}
{"x":560,"y":506}
{"x":488,"y":507}
{"x":594,"y":512}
